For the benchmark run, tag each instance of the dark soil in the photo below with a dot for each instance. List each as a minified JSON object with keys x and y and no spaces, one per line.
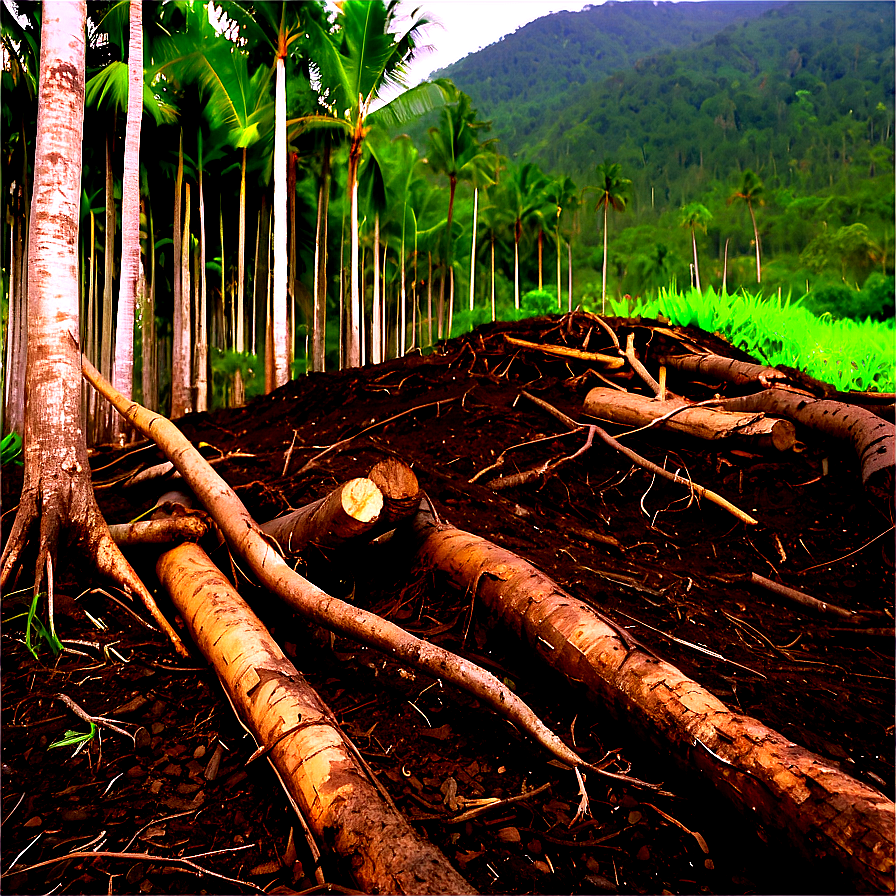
{"x":184,"y":790}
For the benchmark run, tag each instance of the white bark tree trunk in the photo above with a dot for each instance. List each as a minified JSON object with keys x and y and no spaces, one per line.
{"x":281,"y":362}
{"x":123,"y":371}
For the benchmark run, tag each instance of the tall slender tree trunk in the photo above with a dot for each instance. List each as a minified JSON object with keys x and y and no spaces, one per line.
{"x":123,"y":371}
{"x":569,"y":269}
{"x":473,"y":245}
{"x":353,"y":332}
{"x":493,"y":277}
{"x":180,"y":323}
{"x":200,"y":353}
{"x":150,"y":337}
{"x":540,"y":258}
{"x":516,"y":267}
{"x":57,"y":499}
{"x":319,"y":329}
{"x":401,"y":314}
{"x":104,"y":419}
{"x":603,"y":293}
{"x":756,"y":240}
{"x":239,"y":325}
{"x":279,"y":315}
{"x":429,"y":298}
{"x":376,"y":348}
{"x":559,"y":246}
{"x":696,"y":267}
{"x":452,"y":187}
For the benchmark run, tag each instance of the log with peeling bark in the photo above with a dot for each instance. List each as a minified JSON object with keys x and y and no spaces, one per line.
{"x":873,"y":438}
{"x":564,"y":351}
{"x":246,"y":539}
{"x":348,"y":511}
{"x":701,"y":422}
{"x":193,"y":527}
{"x":323,"y":776}
{"x":822,"y":812}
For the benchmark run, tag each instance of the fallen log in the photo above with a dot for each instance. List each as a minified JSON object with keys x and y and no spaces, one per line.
{"x":821,"y":811}
{"x":245,"y":538}
{"x":873,"y":438}
{"x":193,"y":527}
{"x":348,"y":511}
{"x":335,"y":795}
{"x":563,"y":351}
{"x":700,"y":422}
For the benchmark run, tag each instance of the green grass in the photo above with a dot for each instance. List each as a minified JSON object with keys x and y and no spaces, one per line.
{"x":848,"y":354}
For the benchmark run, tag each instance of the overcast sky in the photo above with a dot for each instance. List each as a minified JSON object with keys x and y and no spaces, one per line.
{"x":470,"y":25}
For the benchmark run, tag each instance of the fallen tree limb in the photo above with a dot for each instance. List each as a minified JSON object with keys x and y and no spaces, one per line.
{"x":873,"y":438}
{"x":636,"y":458}
{"x":193,"y":527}
{"x":700,"y":422}
{"x":808,"y":602}
{"x":351,"y":509}
{"x":334,"y":794}
{"x":564,"y":351}
{"x":246,"y":539}
{"x":821,"y":811}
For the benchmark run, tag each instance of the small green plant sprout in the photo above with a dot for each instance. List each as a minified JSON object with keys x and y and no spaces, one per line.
{"x":35,"y":631}
{"x":75,"y":739}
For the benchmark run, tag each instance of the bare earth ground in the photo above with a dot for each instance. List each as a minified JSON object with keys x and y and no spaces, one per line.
{"x":185,"y":789}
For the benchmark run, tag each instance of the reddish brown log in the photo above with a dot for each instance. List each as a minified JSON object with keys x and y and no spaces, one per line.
{"x":819,"y":809}
{"x":348,"y":511}
{"x":167,"y":531}
{"x":873,"y":438}
{"x":700,"y":422}
{"x":321,"y":774}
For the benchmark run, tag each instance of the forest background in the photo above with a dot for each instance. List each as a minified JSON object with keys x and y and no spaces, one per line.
{"x":682,"y":133}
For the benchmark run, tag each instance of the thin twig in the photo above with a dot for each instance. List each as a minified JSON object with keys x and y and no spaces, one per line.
{"x":637,"y":366}
{"x":295,"y":434}
{"x":99,"y":721}
{"x":143,"y":857}
{"x":604,"y":436}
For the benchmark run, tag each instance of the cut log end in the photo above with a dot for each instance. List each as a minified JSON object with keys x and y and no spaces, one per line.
{"x":362,"y":500}
{"x":401,"y":491}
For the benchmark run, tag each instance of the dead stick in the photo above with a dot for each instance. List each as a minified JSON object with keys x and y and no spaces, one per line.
{"x":635,"y":458}
{"x":805,"y":600}
{"x":637,"y":366}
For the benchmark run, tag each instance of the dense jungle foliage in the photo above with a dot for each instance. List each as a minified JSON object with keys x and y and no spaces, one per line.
{"x":801,"y":94}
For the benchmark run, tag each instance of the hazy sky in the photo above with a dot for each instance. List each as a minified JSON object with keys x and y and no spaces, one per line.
{"x":470,"y":25}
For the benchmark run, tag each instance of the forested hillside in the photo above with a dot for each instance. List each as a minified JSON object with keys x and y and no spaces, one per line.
{"x":800,"y":94}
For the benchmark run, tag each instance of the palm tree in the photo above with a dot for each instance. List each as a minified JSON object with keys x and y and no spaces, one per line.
{"x":694,"y":215}
{"x":455,"y":152}
{"x":360,"y":58}
{"x":123,"y":370}
{"x":612,"y":192}
{"x":749,"y":193}
{"x":564,"y":195}
{"x":525,"y":193}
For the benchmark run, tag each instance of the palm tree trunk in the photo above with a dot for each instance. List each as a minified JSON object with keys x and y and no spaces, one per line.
{"x":200,"y":355}
{"x":319,"y":324}
{"x":239,"y":342}
{"x":696,"y":268}
{"x":603,"y":294}
{"x":105,"y":420}
{"x":473,"y":247}
{"x":353,"y":334}
{"x":123,"y":372}
{"x":756,"y":238}
{"x":281,"y":364}
{"x":180,"y":325}
{"x":403,"y":299}
{"x":376,"y":347}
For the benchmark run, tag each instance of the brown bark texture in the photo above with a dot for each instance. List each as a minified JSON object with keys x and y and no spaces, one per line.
{"x":163,"y":531}
{"x":702,"y":423}
{"x":337,"y":798}
{"x":718,"y":367}
{"x":350,"y":510}
{"x":246,"y":539}
{"x":400,"y":490}
{"x":822,"y":812}
{"x":872,"y":437}
{"x":605,"y":361}
{"x":57,"y":495}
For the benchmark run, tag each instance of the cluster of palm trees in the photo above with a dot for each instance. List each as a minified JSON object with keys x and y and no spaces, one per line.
{"x":261,"y":206}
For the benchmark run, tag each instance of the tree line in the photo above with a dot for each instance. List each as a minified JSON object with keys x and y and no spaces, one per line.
{"x":274,"y":218}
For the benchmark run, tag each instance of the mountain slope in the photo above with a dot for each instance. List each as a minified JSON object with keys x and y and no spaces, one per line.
{"x":550,"y":57}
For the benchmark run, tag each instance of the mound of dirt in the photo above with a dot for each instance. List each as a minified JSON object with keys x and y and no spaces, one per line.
{"x":660,"y":562}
